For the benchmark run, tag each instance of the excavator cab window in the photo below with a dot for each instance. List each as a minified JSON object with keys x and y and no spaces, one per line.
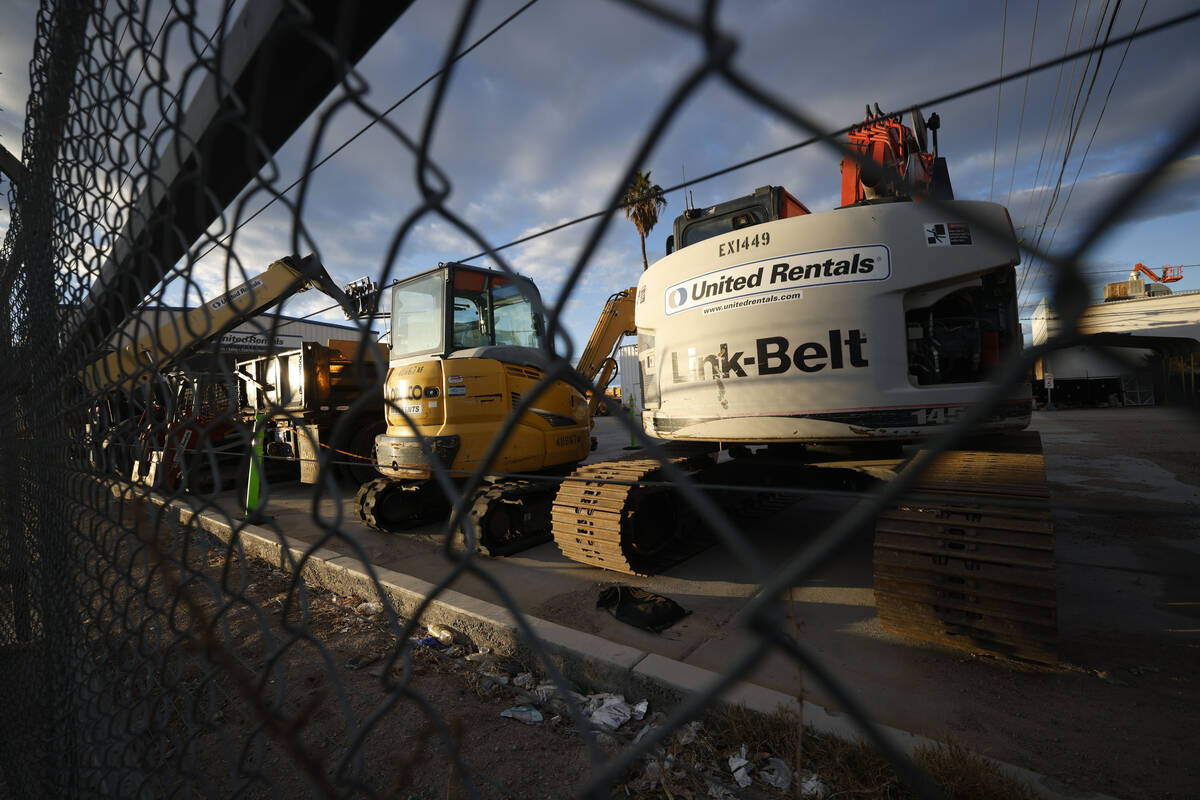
{"x":767,"y":204}
{"x":472,"y":311}
{"x":417,"y":319}
{"x":490,"y":309}
{"x":708,"y":227}
{"x":456,"y":307}
{"x":516,"y":321}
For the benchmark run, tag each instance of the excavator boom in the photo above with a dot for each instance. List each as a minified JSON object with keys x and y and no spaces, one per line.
{"x":597,"y":364}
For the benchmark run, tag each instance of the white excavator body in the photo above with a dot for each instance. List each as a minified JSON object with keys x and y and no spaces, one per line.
{"x":876,"y":321}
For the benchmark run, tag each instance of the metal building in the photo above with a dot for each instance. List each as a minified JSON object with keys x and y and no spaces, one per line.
{"x":1159,"y":340}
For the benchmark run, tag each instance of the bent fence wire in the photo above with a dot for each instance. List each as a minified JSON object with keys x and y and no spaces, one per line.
{"x":140,"y":653}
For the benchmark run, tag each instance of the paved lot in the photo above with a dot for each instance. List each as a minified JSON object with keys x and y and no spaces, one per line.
{"x":1117,"y":718}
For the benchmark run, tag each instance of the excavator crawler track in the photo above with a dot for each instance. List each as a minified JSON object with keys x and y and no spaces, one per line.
{"x":974,"y":568}
{"x":510,"y":516}
{"x":388,"y":505}
{"x":603,"y":516}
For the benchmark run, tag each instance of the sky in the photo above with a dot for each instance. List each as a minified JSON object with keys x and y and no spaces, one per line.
{"x":540,"y":121}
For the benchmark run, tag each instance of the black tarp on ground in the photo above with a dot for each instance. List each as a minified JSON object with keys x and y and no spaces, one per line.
{"x":641,"y":608}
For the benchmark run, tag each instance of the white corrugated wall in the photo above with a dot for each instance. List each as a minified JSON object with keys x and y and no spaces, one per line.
{"x":631,"y":377}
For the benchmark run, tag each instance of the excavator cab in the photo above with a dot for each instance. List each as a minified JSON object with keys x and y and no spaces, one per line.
{"x":456,"y":307}
{"x":767,"y":204}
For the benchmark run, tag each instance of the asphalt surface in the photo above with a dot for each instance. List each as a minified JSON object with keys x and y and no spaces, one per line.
{"x":1114,"y":718}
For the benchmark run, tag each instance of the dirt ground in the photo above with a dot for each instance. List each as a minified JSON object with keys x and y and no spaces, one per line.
{"x":268,"y":695}
{"x":429,"y":728}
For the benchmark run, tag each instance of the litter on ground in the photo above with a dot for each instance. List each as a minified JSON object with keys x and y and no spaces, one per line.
{"x":442,"y":633}
{"x":813,"y":786}
{"x":527,"y":714}
{"x":777,"y":774}
{"x":741,"y":768}
{"x":611,"y":711}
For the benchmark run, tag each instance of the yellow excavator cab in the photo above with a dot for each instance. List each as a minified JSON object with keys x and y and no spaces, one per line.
{"x":467,"y":353}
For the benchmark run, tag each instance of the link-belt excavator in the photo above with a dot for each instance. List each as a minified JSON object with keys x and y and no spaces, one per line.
{"x":780,"y":349}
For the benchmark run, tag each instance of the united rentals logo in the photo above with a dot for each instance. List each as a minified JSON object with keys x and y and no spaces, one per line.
{"x":771,"y":275}
{"x":234,"y":294}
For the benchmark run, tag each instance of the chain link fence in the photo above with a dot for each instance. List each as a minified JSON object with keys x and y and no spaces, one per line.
{"x":144,"y":656}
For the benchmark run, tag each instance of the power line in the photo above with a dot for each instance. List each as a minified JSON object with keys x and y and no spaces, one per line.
{"x":1099,"y":118}
{"x":1050,"y":121}
{"x":1078,"y":124}
{"x":1064,"y":125}
{"x":996,"y":135}
{"x":973,"y":89}
{"x":1126,"y":271}
{"x":1061,"y":138}
{"x":1078,"y":121}
{"x":1024,"y":96}
{"x":1097,"y":272}
{"x":277,"y":195}
{"x":174,"y":98}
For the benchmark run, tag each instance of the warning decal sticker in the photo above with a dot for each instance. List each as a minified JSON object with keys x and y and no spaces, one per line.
{"x":945,"y":234}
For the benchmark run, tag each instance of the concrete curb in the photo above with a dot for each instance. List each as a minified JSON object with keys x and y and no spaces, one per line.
{"x":581,"y":657}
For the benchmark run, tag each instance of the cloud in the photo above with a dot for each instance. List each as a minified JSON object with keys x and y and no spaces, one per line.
{"x":540,"y":122}
{"x":1176,"y":192}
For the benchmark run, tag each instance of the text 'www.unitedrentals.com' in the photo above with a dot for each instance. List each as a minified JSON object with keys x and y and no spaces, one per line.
{"x":754,"y":301}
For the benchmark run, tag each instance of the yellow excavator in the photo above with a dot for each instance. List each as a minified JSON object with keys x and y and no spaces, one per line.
{"x":467,"y":345}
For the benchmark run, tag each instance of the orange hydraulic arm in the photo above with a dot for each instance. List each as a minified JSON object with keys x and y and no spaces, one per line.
{"x":597,"y":363}
{"x":1170,"y":274}
{"x":889,"y":143}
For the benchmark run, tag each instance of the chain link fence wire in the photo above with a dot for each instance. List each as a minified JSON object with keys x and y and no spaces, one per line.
{"x":141,"y":654}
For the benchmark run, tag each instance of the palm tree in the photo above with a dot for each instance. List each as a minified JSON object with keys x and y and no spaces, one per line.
{"x":642,"y":201}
